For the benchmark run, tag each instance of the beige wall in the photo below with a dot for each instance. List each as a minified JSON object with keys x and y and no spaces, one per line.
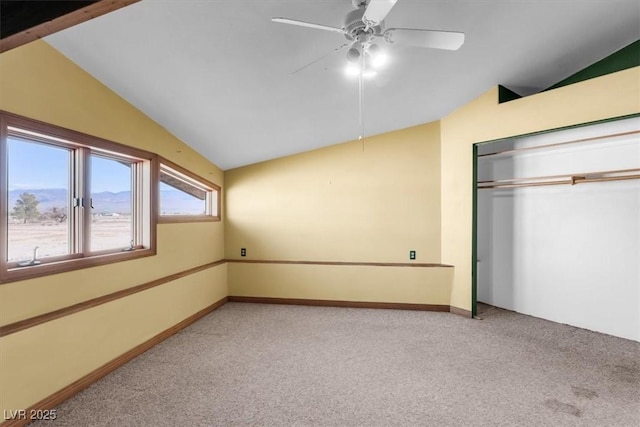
{"x":484,"y":119}
{"x":340,"y":203}
{"x":38,"y":82}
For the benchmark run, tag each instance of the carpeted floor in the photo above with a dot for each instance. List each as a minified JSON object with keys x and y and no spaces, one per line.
{"x":274,"y":365}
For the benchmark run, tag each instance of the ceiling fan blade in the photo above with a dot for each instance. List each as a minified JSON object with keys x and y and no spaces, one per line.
{"x":308,"y":24}
{"x":322,"y":57}
{"x":376,"y":11}
{"x":449,"y":40}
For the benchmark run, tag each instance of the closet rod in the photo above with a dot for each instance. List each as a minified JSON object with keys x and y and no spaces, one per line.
{"x":572,"y":181}
{"x":538,"y":178}
{"x":557,"y":144}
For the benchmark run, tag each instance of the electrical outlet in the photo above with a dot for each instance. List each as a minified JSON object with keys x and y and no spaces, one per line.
{"x":243,"y":252}
{"x":412,"y":254}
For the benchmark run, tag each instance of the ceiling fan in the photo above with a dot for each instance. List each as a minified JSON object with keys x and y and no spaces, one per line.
{"x":365,"y":25}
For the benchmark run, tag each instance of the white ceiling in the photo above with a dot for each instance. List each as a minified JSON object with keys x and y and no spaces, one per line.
{"x":217,"y":73}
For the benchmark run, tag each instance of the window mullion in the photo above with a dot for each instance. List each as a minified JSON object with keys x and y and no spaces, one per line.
{"x":209,"y":203}
{"x":83,"y":194}
{"x":71,"y":204}
{"x":137,"y":193}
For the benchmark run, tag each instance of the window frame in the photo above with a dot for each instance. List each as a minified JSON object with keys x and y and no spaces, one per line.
{"x":213,"y":191}
{"x":146,"y":174}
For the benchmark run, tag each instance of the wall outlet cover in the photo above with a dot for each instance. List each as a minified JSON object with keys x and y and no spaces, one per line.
{"x":412,"y":254}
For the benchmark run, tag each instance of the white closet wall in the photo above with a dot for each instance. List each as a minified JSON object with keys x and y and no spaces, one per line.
{"x":566,"y":253}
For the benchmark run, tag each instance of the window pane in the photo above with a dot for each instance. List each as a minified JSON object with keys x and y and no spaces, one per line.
{"x":38,"y":200}
{"x":111,"y":222}
{"x":181,"y":198}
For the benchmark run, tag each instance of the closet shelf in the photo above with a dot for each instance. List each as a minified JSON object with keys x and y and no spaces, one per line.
{"x":556,"y":144}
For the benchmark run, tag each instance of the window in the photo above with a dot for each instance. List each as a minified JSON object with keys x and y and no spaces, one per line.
{"x":38,"y":199}
{"x":69,"y":200}
{"x":185,"y":197}
{"x":111,"y":201}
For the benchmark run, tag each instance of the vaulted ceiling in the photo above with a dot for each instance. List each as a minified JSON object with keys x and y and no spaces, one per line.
{"x":218,"y":74}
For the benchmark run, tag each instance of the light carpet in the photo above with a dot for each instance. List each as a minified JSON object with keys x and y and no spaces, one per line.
{"x":276,"y":365}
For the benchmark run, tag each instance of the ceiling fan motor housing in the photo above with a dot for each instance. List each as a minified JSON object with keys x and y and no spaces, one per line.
{"x":354,"y":26}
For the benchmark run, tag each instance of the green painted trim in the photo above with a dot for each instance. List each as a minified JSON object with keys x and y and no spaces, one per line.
{"x":505,"y":94}
{"x":579,"y":125}
{"x":474,"y":237}
{"x":627,"y":57}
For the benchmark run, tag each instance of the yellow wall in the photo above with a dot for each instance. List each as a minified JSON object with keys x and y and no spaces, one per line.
{"x":340,"y":204}
{"x":484,"y":119}
{"x":403,"y":285}
{"x":38,"y":82}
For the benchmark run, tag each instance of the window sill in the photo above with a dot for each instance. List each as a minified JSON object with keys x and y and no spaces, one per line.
{"x":173,"y":219}
{"x":54,"y":267}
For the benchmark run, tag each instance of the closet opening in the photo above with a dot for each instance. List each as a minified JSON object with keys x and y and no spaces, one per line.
{"x":557,"y":226}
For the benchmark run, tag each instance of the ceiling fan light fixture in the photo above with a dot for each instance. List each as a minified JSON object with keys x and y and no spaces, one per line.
{"x":376,"y":56}
{"x":373,"y":49}
{"x":353,"y":55}
{"x":380,"y":60}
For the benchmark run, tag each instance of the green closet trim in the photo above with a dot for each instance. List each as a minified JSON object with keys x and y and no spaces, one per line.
{"x":506,"y":94}
{"x":474,"y":237}
{"x":579,"y":125}
{"x":627,"y":57}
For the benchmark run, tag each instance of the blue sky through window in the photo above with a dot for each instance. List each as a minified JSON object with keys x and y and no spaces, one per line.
{"x":35,"y":166}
